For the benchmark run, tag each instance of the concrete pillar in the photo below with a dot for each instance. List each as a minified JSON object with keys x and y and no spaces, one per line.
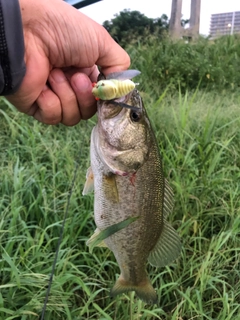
{"x":175,"y":20}
{"x":195,"y":17}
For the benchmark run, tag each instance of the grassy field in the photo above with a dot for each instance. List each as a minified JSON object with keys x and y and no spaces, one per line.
{"x":199,"y":139}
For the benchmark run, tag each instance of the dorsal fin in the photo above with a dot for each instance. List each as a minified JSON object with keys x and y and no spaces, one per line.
{"x":168,"y":246}
{"x":168,"y":201}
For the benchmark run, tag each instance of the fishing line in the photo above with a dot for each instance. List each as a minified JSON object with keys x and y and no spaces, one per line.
{"x":60,"y":239}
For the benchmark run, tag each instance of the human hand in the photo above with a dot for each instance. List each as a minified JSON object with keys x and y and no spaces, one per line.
{"x":63,"y":48}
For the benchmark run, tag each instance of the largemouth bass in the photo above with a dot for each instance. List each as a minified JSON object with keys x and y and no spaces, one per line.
{"x":127,"y":177}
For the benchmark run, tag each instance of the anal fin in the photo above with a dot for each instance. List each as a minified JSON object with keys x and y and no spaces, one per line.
{"x":89,"y":184}
{"x":94,"y":238}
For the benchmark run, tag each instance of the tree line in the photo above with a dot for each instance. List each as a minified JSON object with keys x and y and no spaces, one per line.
{"x":131,"y":26}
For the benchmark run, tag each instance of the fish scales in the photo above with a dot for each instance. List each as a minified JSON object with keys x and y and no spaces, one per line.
{"x":136,"y":238}
{"x":129,"y":182}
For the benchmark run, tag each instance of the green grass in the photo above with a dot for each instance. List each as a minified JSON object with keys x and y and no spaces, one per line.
{"x":199,"y":139}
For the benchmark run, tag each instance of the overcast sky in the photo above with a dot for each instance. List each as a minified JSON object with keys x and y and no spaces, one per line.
{"x":105,"y":9}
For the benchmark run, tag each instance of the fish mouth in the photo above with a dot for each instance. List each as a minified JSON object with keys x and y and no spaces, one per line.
{"x":124,"y":105}
{"x":112,"y":152}
{"x":123,"y":101}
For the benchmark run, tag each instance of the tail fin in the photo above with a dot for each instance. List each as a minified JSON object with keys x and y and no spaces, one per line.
{"x":144,"y":290}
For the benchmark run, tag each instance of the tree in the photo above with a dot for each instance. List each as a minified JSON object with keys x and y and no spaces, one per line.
{"x":129,"y":26}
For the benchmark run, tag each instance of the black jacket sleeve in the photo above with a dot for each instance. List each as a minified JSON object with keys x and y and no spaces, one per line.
{"x":12,"y":66}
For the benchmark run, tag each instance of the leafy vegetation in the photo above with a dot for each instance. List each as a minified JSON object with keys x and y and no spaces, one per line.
{"x":199,"y":138}
{"x":206,"y":64}
{"x":129,"y":26}
{"x":133,"y":26}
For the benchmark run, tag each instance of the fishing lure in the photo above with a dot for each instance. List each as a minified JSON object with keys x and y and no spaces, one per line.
{"x":116,"y":85}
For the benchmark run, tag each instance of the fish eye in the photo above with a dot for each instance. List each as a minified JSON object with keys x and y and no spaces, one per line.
{"x":135,"y":116}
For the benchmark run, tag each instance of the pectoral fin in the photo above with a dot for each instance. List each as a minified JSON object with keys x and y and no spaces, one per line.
{"x":89,"y":184}
{"x":110,"y":188}
{"x":167,"y":248}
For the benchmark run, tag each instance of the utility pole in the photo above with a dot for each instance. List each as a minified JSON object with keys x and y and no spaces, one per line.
{"x":175,"y":20}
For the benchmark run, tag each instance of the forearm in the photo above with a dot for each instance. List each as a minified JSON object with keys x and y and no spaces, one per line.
{"x":12,"y":66}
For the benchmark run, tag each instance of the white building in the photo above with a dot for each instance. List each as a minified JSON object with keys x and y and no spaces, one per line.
{"x":225,"y":23}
